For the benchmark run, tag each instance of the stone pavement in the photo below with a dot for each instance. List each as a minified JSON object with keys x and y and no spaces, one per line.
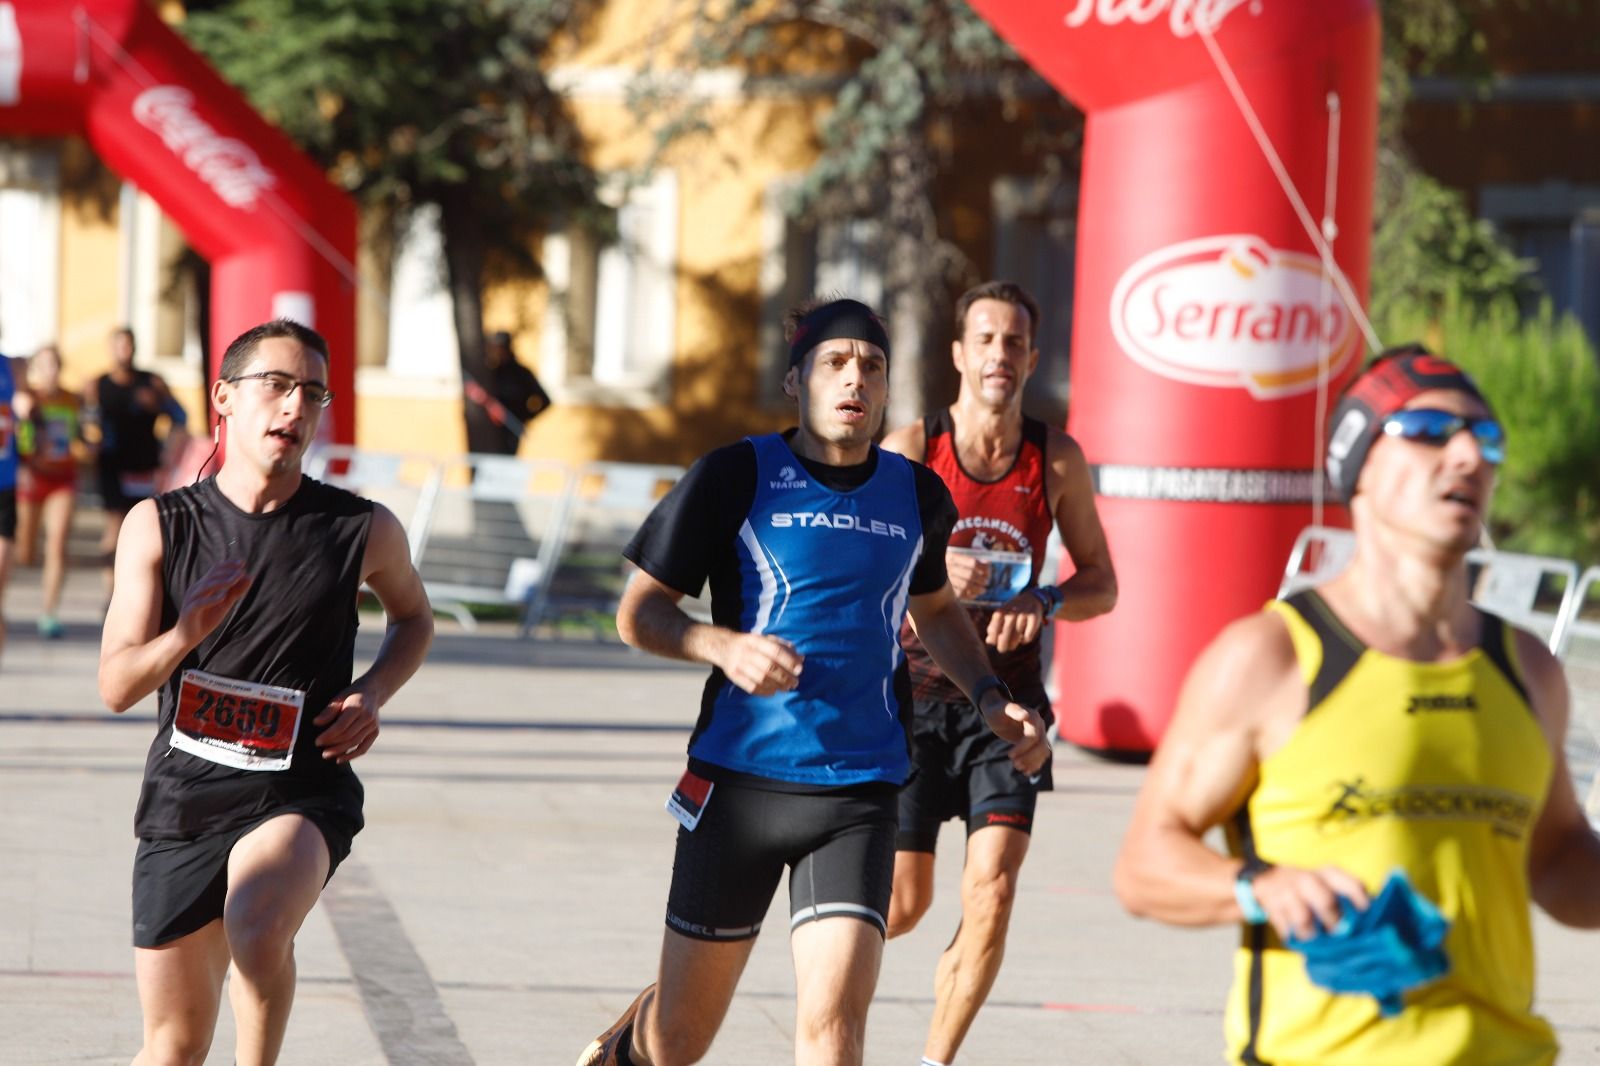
{"x":505,"y":900}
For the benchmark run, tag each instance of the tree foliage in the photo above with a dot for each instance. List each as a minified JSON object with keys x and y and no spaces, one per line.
{"x":903,"y":67}
{"x":1427,"y":247}
{"x":411,"y":102}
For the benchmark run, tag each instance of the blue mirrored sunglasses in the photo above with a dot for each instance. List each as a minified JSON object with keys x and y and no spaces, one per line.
{"x":1427,"y":425}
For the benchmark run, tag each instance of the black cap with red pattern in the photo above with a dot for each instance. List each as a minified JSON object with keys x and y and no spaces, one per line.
{"x":1383,"y":387}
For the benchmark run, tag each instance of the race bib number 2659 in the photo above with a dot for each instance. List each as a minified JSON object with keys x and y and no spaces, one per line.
{"x":237,"y":723}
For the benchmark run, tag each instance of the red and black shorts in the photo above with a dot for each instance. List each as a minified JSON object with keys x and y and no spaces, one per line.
{"x":961,"y":769}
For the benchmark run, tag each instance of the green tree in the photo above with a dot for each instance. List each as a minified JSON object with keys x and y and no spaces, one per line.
{"x":1427,"y":248}
{"x":412,"y":102}
{"x":905,"y":67}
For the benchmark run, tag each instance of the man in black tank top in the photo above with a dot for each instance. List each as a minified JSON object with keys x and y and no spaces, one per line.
{"x":1011,"y":477}
{"x":125,"y":405}
{"x":235,"y":598}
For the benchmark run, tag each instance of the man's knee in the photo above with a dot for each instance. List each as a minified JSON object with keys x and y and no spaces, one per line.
{"x":838,"y":1029}
{"x":907,"y":906}
{"x":174,"y":1046}
{"x":989,"y":896}
{"x":261,"y":942}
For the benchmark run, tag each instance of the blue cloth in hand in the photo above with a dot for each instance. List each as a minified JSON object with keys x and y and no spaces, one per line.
{"x":1396,"y":944}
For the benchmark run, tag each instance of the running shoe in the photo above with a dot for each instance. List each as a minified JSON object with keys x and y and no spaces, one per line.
{"x":602,"y":1051}
{"x":50,"y":627}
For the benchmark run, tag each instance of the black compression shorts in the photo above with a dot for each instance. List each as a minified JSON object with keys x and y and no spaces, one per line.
{"x":179,"y":886}
{"x":838,"y":845}
{"x":8,"y":514}
{"x":960,"y":769}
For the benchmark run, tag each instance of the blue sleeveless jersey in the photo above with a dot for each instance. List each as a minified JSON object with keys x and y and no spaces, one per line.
{"x":8,"y":427}
{"x":830,"y":572}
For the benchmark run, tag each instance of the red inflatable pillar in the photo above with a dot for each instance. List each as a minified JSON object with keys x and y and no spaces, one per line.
{"x":1204,"y":318}
{"x":279,"y":237}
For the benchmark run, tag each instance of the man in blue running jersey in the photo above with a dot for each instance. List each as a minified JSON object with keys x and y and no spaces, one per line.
{"x":817,"y":545}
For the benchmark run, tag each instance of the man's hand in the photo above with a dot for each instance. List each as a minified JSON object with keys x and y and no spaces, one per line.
{"x":1296,"y":899}
{"x":354,"y":717}
{"x":1030,"y":748}
{"x":969,"y":575}
{"x":761,"y":664}
{"x":208,"y":601}
{"x":1015,"y":622}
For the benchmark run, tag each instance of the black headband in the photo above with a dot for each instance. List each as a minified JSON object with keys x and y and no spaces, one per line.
{"x":840,"y":320}
{"x":1386,"y":385}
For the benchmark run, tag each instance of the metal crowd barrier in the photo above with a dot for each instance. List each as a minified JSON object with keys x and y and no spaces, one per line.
{"x":538,"y":536}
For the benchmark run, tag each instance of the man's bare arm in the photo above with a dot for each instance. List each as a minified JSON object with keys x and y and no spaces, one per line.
{"x":409,"y":630}
{"x":135,"y":658}
{"x":349,"y":723}
{"x":945,"y":629}
{"x":649,"y":618}
{"x":1203,"y":771}
{"x":1092,"y":588}
{"x":1564,"y":856}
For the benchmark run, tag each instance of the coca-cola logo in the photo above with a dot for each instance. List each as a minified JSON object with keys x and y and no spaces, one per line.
{"x":230,"y":167}
{"x":1184,"y":17}
{"x":1231,"y":311}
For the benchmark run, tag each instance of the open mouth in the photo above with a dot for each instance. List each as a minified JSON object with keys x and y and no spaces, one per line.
{"x":288,"y":436}
{"x":1462,"y":497}
{"x":852,"y":409}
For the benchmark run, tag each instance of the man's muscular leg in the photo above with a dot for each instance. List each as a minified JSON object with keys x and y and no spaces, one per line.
{"x":968,"y":967}
{"x":275,"y":874}
{"x":180,"y":991}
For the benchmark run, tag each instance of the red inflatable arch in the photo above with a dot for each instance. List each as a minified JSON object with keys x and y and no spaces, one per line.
{"x":1208,"y":333}
{"x":279,"y":237}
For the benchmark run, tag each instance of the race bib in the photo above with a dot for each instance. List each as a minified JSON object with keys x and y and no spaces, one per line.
{"x":237,"y":723}
{"x":1010,"y":573}
{"x":688,"y":801}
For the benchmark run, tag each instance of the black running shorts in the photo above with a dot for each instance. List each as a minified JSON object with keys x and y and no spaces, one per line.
{"x":8,"y":513}
{"x":961,"y":769}
{"x":179,"y":886}
{"x":838,"y":845}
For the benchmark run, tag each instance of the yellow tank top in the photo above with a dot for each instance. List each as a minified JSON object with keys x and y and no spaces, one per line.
{"x":1440,"y":769}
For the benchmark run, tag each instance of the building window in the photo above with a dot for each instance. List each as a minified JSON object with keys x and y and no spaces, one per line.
{"x":30,"y":254}
{"x":1035,"y":245}
{"x":802,"y":259}
{"x":1558,"y":227}
{"x":609,"y":336}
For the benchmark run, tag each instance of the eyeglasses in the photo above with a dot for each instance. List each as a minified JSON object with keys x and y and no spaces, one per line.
{"x":1427,"y":425}
{"x":278,"y":385}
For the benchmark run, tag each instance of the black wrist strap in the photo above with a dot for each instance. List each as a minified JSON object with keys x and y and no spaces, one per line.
{"x":984,"y":685}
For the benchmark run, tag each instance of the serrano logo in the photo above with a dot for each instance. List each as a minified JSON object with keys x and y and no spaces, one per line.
{"x":229,"y":166}
{"x":1184,"y":17}
{"x":1231,"y":311}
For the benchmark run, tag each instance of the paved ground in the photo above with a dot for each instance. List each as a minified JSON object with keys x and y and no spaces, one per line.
{"x":505,"y":900}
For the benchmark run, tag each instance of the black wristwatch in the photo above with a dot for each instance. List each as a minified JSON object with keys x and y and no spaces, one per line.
{"x":981,"y":689}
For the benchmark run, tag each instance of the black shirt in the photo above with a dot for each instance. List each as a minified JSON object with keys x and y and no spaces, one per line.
{"x":294,"y":627}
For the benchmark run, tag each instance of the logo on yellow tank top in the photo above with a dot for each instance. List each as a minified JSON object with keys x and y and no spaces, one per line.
{"x":1357,"y":803}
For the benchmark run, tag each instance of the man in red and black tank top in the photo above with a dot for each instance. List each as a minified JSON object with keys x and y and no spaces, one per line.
{"x":1012,"y":478}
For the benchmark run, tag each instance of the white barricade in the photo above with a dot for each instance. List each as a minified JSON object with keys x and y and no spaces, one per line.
{"x":493,"y":534}
{"x":1505,"y":583}
{"x":405,"y":484}
{"x":608,"y":501}
{"x":1582,"y":633}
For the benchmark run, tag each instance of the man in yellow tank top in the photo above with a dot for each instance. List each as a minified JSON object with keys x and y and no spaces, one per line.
{"x":1377,"y":723}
